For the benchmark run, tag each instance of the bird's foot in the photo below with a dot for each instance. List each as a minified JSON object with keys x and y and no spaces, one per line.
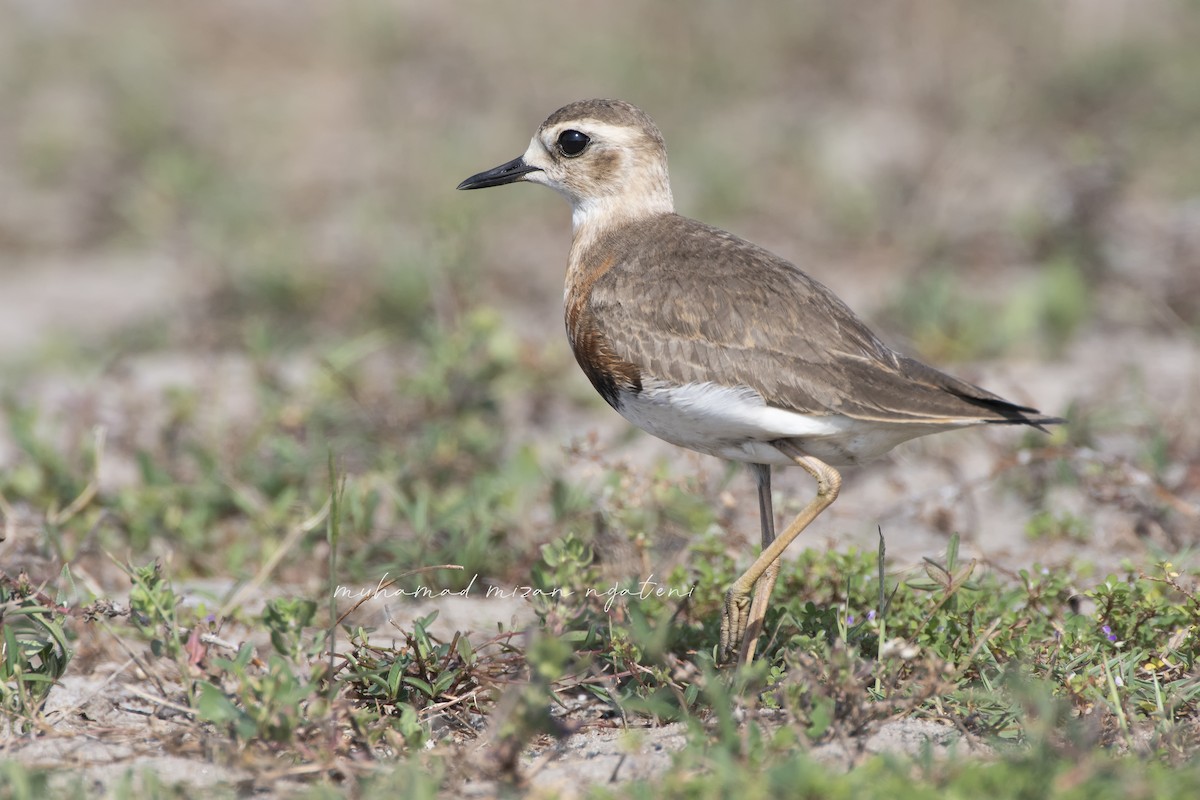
{"x":734,"y":620}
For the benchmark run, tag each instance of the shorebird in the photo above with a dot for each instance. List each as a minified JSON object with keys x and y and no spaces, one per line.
{"x":717,"y":345}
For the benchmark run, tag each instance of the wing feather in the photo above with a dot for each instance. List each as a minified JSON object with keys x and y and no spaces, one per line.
{"x":701,"y":305}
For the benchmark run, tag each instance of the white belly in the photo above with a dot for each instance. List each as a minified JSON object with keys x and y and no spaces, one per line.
{"x":738,"y":425}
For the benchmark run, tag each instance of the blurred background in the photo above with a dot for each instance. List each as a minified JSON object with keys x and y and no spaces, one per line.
{"x":230,"y":248}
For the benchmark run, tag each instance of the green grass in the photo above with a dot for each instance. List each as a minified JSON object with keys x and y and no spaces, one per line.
{"x":405,"y":471}
{"x":1066,"y":699}
{"x":297,"y":179}
{"x":946,"y":321}
{"x":35,"y":651}
{"x":1043,"y":773}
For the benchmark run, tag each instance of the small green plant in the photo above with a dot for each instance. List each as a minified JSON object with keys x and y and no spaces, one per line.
{"x":287,"y":619}
{"x":413,"y":684}
{"x":19,"y":782}
{"x":153,"y":606}
{"x":273,"y":703}
{"x":1046,"y":524}
{"x":43,"y":473}
{"x":34,"y":652}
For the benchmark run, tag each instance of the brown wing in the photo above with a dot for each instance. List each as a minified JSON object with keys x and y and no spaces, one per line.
{"x":699,"y":304}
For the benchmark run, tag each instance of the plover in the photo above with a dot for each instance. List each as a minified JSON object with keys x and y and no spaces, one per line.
{"x":717,"y":345}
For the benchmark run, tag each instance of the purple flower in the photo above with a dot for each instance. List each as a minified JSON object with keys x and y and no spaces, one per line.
{"x":1112,"y":637}
{"x":849,"y":619}
{"x":871,"y":615}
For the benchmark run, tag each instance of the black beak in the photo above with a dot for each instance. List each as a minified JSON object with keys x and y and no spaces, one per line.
{"x":511,"y":172}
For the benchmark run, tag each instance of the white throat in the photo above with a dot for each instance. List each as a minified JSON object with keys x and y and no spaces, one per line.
{"x":605,"y":211}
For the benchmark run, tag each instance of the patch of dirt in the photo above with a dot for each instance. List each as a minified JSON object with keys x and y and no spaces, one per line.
{"x":404,"y":99}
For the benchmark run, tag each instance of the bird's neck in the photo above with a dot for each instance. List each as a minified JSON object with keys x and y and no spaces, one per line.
{"x":591,"y":222}
{"x":599,"y":213}
{"x":592,"y":217}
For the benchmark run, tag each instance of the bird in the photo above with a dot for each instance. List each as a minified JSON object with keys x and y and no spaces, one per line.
{"x":717,"y":345}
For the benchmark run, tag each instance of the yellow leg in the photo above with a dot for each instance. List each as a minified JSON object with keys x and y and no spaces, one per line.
{"x":766,"y":584}
{"x":742,"y":620}
{"x":758,"y":611}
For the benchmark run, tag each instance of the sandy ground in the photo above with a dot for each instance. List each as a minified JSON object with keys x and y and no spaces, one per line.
{"x":918,"y":496}
{"x":1134,"y":361}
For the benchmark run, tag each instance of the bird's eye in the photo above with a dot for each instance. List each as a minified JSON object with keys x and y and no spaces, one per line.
{"x":571,"y":143}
